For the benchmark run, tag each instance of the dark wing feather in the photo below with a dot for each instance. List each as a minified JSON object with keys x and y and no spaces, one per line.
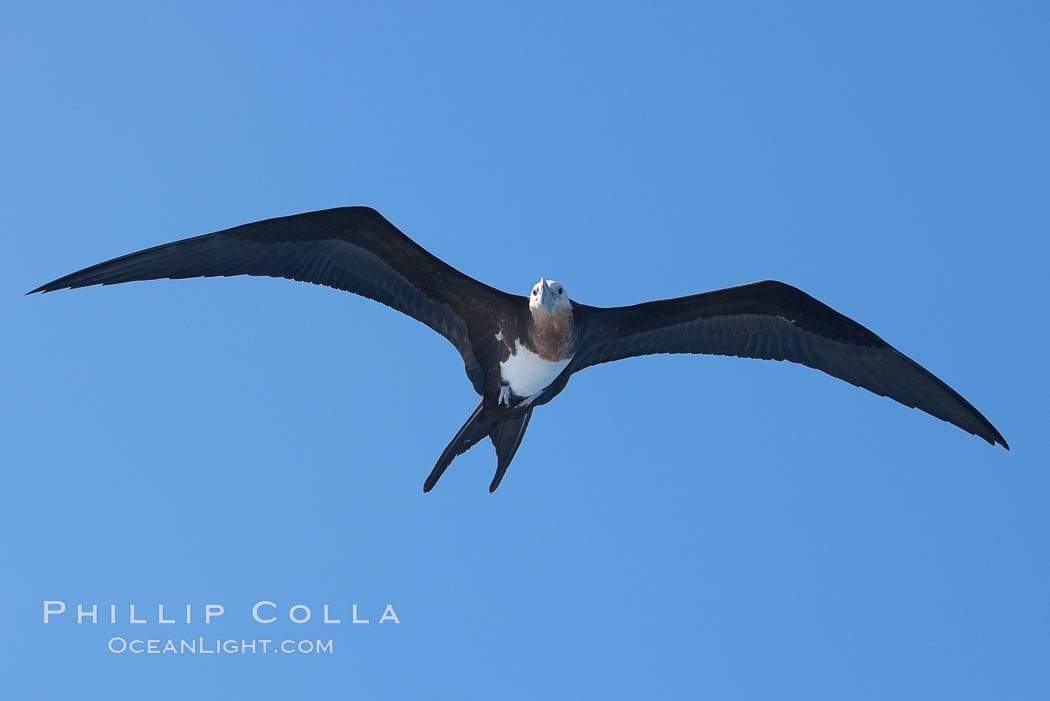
{"x":774,"y":321}
{"x":350,"y":248}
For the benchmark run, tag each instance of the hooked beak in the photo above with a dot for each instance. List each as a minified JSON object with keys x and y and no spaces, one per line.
{"x":547,"y":295}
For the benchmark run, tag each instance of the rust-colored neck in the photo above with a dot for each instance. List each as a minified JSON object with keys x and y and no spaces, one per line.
{"x":554,"y":333}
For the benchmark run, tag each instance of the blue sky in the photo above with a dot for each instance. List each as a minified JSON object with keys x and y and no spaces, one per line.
{"x":671,"y":527}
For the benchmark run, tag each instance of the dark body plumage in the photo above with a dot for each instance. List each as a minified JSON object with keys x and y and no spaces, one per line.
{"x":355,"y":249}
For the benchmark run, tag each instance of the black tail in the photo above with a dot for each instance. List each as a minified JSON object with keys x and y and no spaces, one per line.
{"x":469,"y":434}
{"x":506,"y":436}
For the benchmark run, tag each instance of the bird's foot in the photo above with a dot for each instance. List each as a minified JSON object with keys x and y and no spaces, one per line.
{"x":504,"y":395}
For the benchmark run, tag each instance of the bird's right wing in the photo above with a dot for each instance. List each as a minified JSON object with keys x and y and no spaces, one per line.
{"x":774,"y":321}
{"x":349,"y":248}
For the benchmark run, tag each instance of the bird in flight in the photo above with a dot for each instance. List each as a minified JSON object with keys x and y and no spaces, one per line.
{"x":520,"y":351}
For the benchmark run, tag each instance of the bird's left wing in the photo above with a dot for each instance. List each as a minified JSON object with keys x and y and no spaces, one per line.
{"x":349,"y":248}
{"x":774,"y":321}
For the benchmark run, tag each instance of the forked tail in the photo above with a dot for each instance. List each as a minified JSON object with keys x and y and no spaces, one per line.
{"x":506,"y":434}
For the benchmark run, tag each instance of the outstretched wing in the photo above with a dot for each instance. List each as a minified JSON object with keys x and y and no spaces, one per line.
{"x":349,"y":248}
{"x":774,"y":321}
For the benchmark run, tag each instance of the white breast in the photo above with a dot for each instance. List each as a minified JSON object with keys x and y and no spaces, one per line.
{"x":527,"y":373}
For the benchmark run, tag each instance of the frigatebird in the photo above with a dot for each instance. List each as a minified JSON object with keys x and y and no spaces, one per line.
{"x":520,"y":351}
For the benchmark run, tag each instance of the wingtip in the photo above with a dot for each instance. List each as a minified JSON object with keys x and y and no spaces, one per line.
{"x":48,"y":287}
{"x":996,"y":438}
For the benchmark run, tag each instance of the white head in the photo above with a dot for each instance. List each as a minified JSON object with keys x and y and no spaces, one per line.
{"x":549,"y":296}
